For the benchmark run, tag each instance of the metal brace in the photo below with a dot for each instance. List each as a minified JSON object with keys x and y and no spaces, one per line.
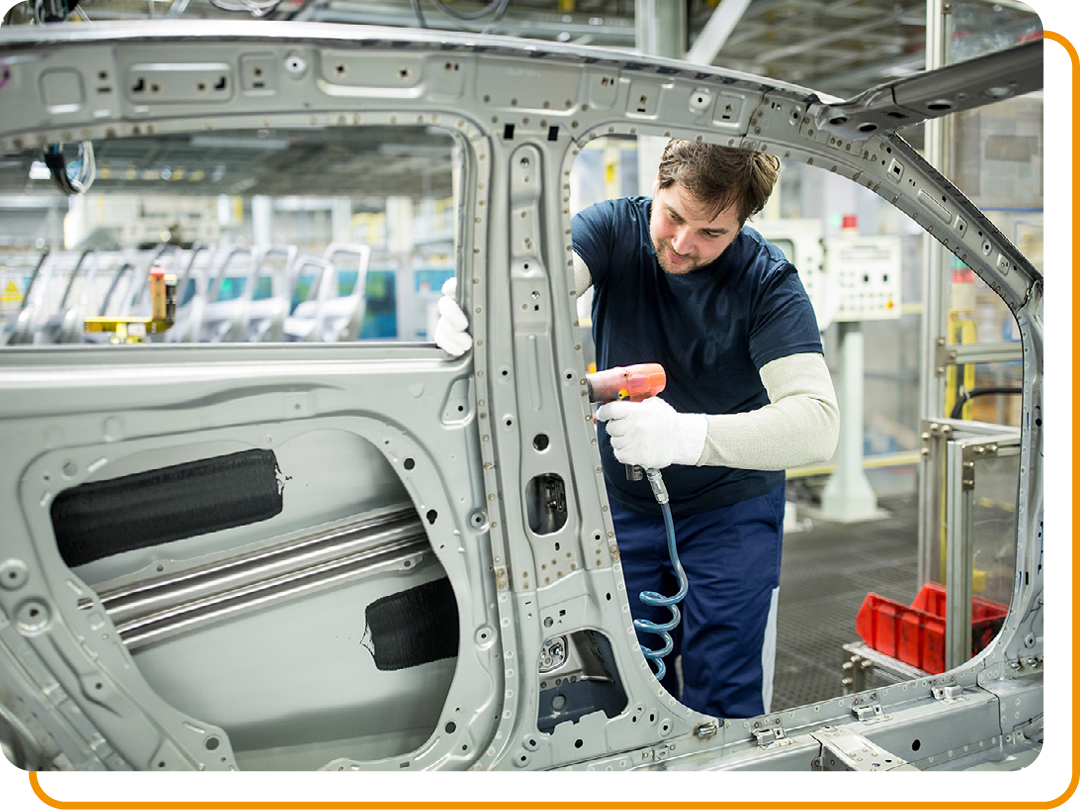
{"x":930,"y":431}
{"x":972,"y":453}
{"x":960,"y":354}
{"x":855,"y":670}
{"x":944,"y":356}
{"x":846,"y":750}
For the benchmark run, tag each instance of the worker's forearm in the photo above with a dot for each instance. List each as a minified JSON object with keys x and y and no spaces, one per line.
{"x":801,"y":426}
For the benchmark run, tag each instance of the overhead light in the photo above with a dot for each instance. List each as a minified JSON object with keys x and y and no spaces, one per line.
{"x":414,"y":149}
{"x":39,"y":171}
{"x":1047,"y":8}
{"x":230,"y":142}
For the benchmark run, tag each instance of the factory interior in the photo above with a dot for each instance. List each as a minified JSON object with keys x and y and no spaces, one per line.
{"x":348,"y":234}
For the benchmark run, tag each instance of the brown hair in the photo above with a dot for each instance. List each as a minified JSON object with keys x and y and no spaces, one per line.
{"x":718,"y":176}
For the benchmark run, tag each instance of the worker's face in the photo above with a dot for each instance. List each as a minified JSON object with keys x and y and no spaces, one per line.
{"x":684,"y":238}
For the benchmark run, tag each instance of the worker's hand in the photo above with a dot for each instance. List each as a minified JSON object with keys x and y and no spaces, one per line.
{"x":652,"y":433}
{"x":450,"y":334}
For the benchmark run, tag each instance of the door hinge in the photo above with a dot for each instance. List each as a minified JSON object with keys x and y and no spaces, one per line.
{"x":867,"y":709}
{"x":769,"y":733}
{"x":948,"y":693}
{"x":659,"y":754}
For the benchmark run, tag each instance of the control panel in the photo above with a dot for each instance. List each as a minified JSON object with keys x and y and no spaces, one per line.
{"x":866,"y":270}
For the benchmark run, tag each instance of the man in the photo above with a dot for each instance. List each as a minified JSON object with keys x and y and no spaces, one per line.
{"x":680,"y":281}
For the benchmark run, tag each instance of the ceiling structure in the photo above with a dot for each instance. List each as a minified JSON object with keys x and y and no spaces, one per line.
{"x":839,"y":47}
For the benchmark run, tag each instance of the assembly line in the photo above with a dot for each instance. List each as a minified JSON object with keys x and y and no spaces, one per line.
{"x":382,"y":397}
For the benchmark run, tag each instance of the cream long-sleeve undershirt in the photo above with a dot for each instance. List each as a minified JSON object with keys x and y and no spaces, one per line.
{"x":801,"y":425}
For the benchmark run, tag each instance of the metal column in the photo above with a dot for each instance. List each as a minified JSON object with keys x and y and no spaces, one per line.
{"x":848,"y":496}
{"x":660,"y":30}
{"x":935,"y":281}
{"x":716,"y":31}
{"x":262,"y":220}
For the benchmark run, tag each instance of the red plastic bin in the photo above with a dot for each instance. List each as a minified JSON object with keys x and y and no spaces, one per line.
{"x":915,"y":634}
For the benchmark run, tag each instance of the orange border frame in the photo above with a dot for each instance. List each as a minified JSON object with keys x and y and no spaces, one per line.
{"x":1062,"y":72}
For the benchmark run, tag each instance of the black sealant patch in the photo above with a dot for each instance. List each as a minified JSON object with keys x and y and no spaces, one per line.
{"x":99,"y":519}
{"x":413,"y":627}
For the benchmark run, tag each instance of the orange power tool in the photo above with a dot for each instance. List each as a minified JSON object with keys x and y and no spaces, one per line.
{"x":635,"y":383}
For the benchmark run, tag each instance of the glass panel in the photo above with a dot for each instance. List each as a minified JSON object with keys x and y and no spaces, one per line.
{"x":994,"y":528}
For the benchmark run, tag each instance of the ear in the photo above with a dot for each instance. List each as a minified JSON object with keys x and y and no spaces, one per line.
{"x":656,"y":184}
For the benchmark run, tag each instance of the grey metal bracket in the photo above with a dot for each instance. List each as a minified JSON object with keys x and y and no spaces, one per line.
{"x":973,"y":453}
{"x":932,"y":430}
{"x":867,"y":709}
{"x":855,"y":669}
{"x":844,"y":750}
{"x":882,"y":664}
{"x":948,"y":693}
{"x":769,"y":734}
{"x":658,"y":754}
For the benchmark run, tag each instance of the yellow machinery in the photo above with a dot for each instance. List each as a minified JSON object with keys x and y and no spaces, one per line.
{"x":961,"y":330}
{"x":133,"y":328}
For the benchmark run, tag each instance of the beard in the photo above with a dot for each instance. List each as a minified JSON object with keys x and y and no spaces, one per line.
{"x":686,"y":266}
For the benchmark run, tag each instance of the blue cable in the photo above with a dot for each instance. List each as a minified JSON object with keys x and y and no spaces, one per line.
{"x":654,"y":599}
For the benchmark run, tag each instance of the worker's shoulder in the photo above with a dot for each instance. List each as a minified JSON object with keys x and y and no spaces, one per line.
{"x":616,"y":207}
{"x":617,"y":221}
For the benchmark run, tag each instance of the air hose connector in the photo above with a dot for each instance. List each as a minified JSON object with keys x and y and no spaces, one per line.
{"x":656,"y":481}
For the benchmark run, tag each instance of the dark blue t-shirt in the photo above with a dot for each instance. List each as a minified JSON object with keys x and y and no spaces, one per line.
{"x":712,"y":330}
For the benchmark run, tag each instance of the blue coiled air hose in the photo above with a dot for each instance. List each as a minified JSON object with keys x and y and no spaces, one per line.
{"x":654,"y":599}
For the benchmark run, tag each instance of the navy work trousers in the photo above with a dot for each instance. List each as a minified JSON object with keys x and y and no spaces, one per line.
{"x":731,"y":557}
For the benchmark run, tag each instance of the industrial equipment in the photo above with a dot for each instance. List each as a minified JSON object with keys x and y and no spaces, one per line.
{"x":277,"y":555}
{"x":135,"y":328}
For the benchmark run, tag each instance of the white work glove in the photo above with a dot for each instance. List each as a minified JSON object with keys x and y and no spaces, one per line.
{"x":652,"y":433}
{"x":450,"y":334}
